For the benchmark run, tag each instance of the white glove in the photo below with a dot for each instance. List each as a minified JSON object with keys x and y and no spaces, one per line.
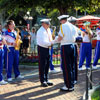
{"x":56,"y":39}
{"x":53,"y":42}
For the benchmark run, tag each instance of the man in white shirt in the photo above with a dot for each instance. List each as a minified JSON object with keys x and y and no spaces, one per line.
{"x":44,"y":39}
{"x":67,"y":37}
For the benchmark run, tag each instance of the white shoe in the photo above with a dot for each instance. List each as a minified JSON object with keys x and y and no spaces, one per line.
{"x":54,"y":71}
{"x":64,"y":88}
{"x":9,"y":79}
{"x":94,"y":67}
{"x":3,"y":82}
{"x":71,"y":89}
{"x":75,"y":82}
{"x":80,"y":68}
{"x":19,"y":77}
{"x":88,"y":68}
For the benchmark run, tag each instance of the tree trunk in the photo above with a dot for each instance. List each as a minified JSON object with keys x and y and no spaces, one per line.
{"x":63,"y":11}
{"x":3,"y":20}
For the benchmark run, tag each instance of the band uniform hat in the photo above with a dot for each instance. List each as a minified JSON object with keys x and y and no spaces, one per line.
{"x":47,"y":21}
{"x":63,"y":17}
{"x":72,"y":19}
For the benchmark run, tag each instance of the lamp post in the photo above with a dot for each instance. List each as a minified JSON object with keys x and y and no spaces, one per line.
{"x":28,"y":19}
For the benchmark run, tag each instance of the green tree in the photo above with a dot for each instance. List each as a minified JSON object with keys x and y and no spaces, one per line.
{"x":46,"y":7}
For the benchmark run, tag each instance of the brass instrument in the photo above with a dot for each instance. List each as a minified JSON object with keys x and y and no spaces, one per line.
{"x":88,"y":30}
{"x":53,"y":34}
{"x":18,"y":41}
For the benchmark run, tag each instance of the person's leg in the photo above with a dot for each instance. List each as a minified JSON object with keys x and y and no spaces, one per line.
{"x":88,"y":55}
{"x":47,"y":68}
{"x":75,"y":65}
{"x":32,"y":47}
{"x":1,"y":63}
{"x":82,"y":54}
{"x":5,"y":57}
{"x":60,"y":60}
{"x":16,"y":63}
{"x":42,"y":63}
{"x":66,"y":65}
{"x":10,"y":59}
{"x":97,"y":53}
{"x":51,"y":59}
{"x":2,"y":82}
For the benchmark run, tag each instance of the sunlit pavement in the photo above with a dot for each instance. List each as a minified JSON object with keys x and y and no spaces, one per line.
{"x":29,"y":88}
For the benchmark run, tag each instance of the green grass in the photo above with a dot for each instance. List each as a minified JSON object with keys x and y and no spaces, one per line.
{"x":29,"y":64}
{"x":36,"y":64}
{"x":54,"y":62}
{"x":96,"y":95}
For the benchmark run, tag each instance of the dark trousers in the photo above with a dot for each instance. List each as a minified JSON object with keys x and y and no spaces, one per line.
{"x":43,"y":54}
{"x":67,"y":55}
{"x":75,"y":65}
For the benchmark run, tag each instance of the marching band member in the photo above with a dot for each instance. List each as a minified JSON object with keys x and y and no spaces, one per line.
{"x":67,"y":36}
{"x":2,"y":42}
{"x":13,"y":55}
{"x":86,"y":47}
{"x":44,"y":39}
{"x":97,"y":49}
{"x":75,"y":65}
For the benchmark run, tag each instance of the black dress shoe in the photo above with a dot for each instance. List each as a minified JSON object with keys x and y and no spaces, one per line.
{"x":44,"y":84}
{"x":50,"y":83}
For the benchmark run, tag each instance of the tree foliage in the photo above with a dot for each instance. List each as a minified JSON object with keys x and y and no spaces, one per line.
{"x":62,"y":5}
{"x":87,"y":5}
{"x":51,"y":8}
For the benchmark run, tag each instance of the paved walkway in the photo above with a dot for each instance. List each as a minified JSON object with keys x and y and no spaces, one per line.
{"x":29,"y":88}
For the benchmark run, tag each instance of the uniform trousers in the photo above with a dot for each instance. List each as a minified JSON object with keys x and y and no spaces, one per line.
{"x":12,"y":61}
{"x":51,"y":59}
{"x":85,"y":52}
{"x":5,"y":56}
{"x":43,"y":54}
{"x":67,"y":56}
{"x":1,"y":63}
{"x":97,"y":53}
{"x":75,"y":65}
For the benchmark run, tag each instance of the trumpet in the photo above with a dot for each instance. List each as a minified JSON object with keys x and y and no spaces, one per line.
{"x":18,"y":41}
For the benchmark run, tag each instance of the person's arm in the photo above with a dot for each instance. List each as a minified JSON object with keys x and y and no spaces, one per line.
{"x":59,"y":37}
